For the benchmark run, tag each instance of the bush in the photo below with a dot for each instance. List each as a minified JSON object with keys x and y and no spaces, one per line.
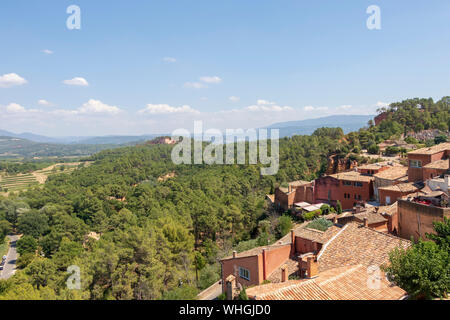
{"x":320,"y":224}
{"x":284,"y":225}
{"x":312,"y":215}
{"x":373,"y":149}
{"x":243,"y":295}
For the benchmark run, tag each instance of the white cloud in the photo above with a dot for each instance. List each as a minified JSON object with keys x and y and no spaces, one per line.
{"x":195,"y":85}
{"x":166,"y":109}
{"x":44,"y":102}
{"x":345,"y":107}
{"x":77,"y":81}
{"x":311,"y":108}
{"x":234,"y":99}
{"x":170,"y":60}
{"x":380,"y":104}
{"x":15,"y":108}
{"x":97,"y":107}
{"x":214,"y":79}
{"x":10,"y":80}
{"x":46,"y":51}
{"x":263,"y":105}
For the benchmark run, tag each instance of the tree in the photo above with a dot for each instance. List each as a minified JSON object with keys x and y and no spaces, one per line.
{"x":338,"y":207}
{"x":5,"y":229}
{"x":26,"y":244}
{"x":442,"y":236}
{"x":440,"y":139}
{"x":284,"y":225}
{"x":422,"y":270}
{"x":32,"y":223}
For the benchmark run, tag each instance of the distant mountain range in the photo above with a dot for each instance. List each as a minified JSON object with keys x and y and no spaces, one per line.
{"x":29,"y":144}
{"x":348,"y":123}
{"x":79,"y":140}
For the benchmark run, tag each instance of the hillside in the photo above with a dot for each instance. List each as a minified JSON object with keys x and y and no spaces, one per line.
{"x":11,"y":147}
{"x":136,"y":234}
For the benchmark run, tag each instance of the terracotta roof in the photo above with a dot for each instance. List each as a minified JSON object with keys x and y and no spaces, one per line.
{"x":256,"y":251}
{"x":343,"y":283}
{"x":356,"y":244}
{"x":433,"y":149}
{"x":393,"y":173}
{"x":371,"y":215}
{"x":402,"y":187}
{"x":298,"y":183}
{"x":440,"y":164}
{"x":352,"y":176}
{"x":316,"y":235}
{"x":389,"y":210}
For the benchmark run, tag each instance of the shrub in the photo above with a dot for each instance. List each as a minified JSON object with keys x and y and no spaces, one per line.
{"x":320,"y":224}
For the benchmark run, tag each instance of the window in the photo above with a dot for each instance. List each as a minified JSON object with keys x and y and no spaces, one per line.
{"x":347,"y":183}
{"x":358,"y":184}
{"x":244,"y":273}
{"x":415,"y":164}
{"x":388,"y":200}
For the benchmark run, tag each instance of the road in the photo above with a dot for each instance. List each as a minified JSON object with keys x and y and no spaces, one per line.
{"x":11,"y":258}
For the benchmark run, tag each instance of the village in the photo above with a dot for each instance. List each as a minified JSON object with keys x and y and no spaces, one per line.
{"x":376,"y":208}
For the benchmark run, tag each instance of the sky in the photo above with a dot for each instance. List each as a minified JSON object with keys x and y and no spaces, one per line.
{"x":140,"y":67}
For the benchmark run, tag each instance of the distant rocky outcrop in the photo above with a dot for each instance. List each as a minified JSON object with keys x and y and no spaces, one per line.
{"x":425,"y":135}
{"x":338,"y":164}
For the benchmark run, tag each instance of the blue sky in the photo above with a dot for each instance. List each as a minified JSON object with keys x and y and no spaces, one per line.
{"x":154,"y":66}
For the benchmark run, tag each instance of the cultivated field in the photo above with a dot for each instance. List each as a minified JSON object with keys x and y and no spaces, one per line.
{"x":21,"y":182}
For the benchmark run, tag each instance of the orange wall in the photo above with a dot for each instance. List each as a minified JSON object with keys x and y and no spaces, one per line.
{"x":415,"y":220}
{"x":276,"y":258}
{"x":253,"y":264}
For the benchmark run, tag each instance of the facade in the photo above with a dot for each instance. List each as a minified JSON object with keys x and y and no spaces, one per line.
{"x":420,"y":159}
{"x":389,"y":195}
{"x":394,"y":175}
{"x":297,"y":191}
{"x":349,"y":188}
{"x":416,"y":217}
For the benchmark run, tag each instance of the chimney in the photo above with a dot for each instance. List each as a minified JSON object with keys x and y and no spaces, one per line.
{"x":335,"y":220}
{"x":284,"y":273}
{"x":312,"y":267}
{"x":447,"y":180}
{"x":366,"y":222}
{"x":230,"y":287}
{"x":292,"y":242}
{"x":234,"y":254}
{"x":264,"y":256}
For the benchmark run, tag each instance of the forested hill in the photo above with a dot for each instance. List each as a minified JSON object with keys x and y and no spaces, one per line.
{"x":140,"y":227}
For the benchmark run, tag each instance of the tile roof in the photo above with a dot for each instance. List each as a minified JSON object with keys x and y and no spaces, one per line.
{"x":402,"y":187}
{"x":352,"y":176}
{"x":431,"y":150}
{"x":342,"y":283}
{"x":440,"y":164}
{"x":393,"y":173}
{"x":371,"y":215}
{"x":356,"y":244}
{"x":316,"y":235}
{"x":389,"y":210}
{"x":298,"y":183}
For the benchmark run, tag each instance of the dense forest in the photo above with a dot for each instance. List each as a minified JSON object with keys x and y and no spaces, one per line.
{"x":140,"y":227}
